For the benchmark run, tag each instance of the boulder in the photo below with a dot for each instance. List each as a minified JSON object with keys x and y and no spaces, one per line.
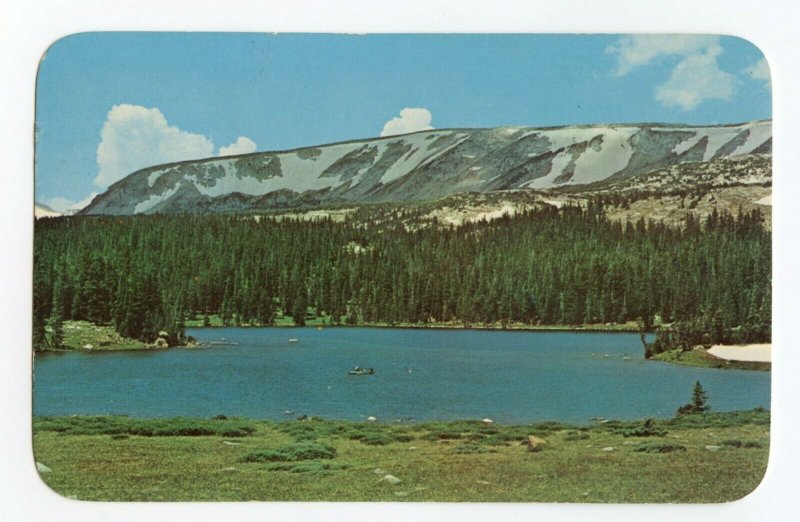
{"x":88,"y":347}
{"x":391,"y":479}
{"x":161,"y":343}
{"x":162,"y":333}
{"x":371,"y":418}
{"x":487,"y":421}
{"x":41,"y":468}
{"x":607,"y":448}
{"x":535,"y":443}
{"x":713,"y":447}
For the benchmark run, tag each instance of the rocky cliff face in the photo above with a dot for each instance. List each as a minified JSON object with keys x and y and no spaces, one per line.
{"x":424,"y":166}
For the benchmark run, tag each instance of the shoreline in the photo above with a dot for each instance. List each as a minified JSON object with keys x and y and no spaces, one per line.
{"x":699,"y":357}
{"x":599,"y":328}
{"x":389,"y":423}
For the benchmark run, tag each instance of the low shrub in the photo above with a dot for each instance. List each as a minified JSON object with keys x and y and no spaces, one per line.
{"x":265,"y":456}
{"x":291,"y":453}
{"x":647,"y":429}
{"x":117,"y":425}
{"x":308,"y":467}
{"x":403,"y":437}
{"x":376,"y":439}
{"x":443,"y":435}
{"x":575,"y":435}
{"x":660,"y":447}
{"x":547,"y":427}
{"x":186,"y":430}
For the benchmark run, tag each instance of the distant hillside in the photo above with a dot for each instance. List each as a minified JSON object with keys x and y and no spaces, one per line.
{"x":425,"y":166}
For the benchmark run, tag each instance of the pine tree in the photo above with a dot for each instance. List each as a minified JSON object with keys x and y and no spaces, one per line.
{"x":699,"y":402}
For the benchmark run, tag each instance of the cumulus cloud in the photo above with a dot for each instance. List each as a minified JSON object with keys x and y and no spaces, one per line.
{"x":695,"y":79}
{"x":760,"y":71}
{"x":243,"y":145}
{"x":634,"y":51}
{"x":134,"y":137}
{"x":68,"y":206}
{"x":410,"y":120}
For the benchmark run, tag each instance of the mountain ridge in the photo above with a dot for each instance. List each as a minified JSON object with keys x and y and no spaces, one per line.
{"x":424,"y":164}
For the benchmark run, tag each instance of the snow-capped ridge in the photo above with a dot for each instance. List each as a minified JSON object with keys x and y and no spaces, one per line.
{"x":424,"y":165}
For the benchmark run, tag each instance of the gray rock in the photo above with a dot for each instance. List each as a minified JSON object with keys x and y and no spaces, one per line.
{"x":607,"y":448}
{"x":41,"y":468}
{"x":535,"y":443}
{"x":391,"y":479}
{"x":713,"y":447}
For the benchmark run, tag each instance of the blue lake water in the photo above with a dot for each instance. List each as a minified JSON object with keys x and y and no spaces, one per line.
{"x":510,"y":377}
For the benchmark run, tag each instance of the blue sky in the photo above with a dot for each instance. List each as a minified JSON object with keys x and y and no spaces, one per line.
{"x":111,"y":103}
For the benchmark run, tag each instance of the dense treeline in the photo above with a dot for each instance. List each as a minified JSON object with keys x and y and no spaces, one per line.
{"x":566,"y":266}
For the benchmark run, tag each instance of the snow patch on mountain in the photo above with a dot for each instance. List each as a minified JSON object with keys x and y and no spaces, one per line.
{"x":154,"y":200}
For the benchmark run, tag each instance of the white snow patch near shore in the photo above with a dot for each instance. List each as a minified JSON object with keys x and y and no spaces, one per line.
{"x":746,"y":352}
{"x":766,"y":200}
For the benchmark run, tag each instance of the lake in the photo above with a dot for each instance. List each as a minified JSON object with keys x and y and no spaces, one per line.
{"x":510,"y":377}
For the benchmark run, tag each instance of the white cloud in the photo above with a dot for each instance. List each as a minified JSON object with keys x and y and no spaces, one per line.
{"x":243,"y":145}
{"x":695,"y":79}
{"x":760,"y":71}
{"x":134,"y":137}
{"x":410,"y":120}
{"x":68,"y":206}
{"x":634,"y":51}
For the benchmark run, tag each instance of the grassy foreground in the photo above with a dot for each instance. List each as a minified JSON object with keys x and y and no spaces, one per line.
{"x":694,"y":458}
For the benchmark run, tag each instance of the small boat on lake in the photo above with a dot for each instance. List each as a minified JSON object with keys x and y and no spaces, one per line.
{"x":361,"y":371}
{"x":293,"y":340}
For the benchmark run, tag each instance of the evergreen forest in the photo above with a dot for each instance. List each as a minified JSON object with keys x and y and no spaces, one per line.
{"x":710,"y":278}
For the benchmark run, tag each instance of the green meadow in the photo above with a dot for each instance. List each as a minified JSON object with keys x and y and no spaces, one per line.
{"x":712,"y":457}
